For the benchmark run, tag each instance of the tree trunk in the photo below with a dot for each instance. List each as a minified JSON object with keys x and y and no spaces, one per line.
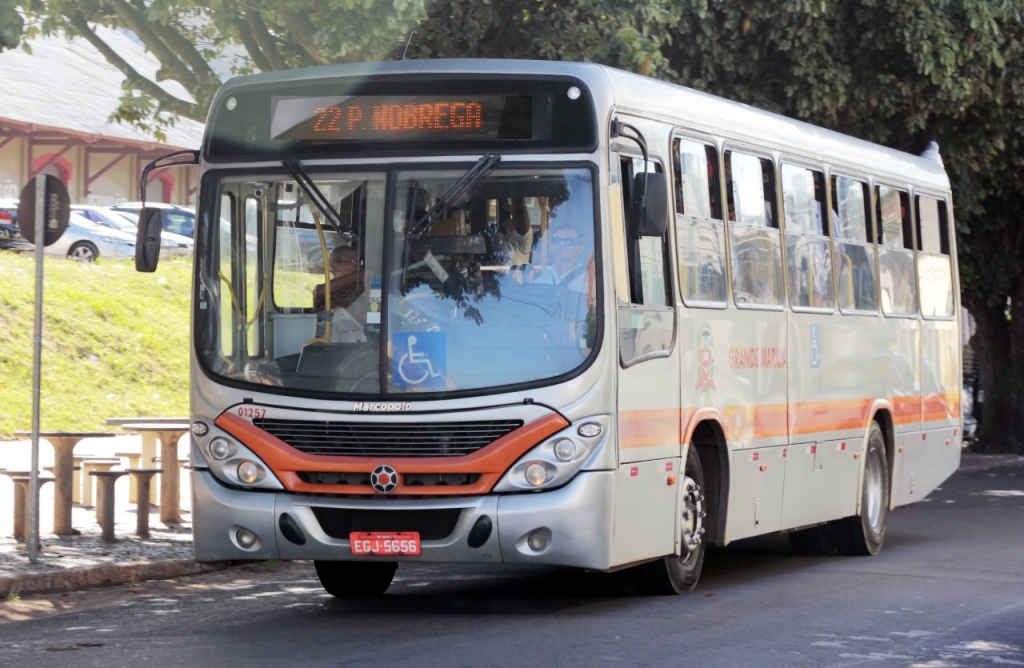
{"x":1000,"y":345}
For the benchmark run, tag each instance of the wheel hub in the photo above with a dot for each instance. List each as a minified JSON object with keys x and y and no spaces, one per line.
{"x":693,"y":516}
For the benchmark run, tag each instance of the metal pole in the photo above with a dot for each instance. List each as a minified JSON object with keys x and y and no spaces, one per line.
{"x":37,"y":357}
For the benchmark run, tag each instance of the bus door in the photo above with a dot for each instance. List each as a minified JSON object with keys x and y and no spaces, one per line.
{"x":648,"y":384}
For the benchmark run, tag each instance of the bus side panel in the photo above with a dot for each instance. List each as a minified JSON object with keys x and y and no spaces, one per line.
{"x":821,"y":482}
{"x":755,"y":498}
{"x":645,"y":509}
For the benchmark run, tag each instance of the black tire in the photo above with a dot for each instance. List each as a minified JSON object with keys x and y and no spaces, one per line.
{"x":83,"y":251}
{"x":355,"y":579}
{"x":815,"y":541}
{"x":679,"y":574}
{"x":863,"y":534}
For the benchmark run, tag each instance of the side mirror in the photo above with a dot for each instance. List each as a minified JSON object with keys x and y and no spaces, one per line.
{"x":652,"y":220}
{"x":147,"y":240}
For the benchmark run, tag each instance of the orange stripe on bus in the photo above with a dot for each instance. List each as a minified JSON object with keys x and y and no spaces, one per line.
{"x":490,"y":462}
{"x":650,"y":428}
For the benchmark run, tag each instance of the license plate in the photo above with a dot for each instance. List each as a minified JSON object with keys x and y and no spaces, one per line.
{"x":406,"y":543}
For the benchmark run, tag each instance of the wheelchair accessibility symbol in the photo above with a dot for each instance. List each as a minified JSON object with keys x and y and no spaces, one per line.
{"x":419,"y":359}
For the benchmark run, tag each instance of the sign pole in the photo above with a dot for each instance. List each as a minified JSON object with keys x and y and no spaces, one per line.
{"x":37,"y":358}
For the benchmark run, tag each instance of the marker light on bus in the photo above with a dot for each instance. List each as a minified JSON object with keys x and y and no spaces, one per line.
{"x":589,"y":429}
{"x":565,"y":450}
{"x":221,"y":449}
{"x":200,"y":428}
{"x":536,"y":474}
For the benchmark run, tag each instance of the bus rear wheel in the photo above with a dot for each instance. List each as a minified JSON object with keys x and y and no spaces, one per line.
{"x":355,"y":579}
{"x":678,"y":574}
{"x":864,"y":534}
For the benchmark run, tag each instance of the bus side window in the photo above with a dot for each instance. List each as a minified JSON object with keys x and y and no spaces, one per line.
{"x":895,"y":251}
{"x":934,"y":266}
{"x":700,"y":232}
{"x":648,"y":276}
{"x":807,"y":244}
{"x":753,"y":231}
{"x":855,"y":254}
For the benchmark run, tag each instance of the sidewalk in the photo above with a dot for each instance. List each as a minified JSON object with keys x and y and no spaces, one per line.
{"x":76,"y":562}
{"x":67,"y":564}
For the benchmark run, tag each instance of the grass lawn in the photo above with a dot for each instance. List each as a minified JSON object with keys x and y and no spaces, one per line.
{"x":115,"y":342}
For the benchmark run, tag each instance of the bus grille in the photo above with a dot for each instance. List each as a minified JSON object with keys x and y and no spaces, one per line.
{"x":434,"y":524}
{"x":380,"y":439}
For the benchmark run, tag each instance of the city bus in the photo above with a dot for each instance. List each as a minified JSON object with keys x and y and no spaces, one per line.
{"x":515,"y":312}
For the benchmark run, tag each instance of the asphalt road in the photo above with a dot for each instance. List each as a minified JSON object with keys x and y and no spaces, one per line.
{"x":947,"y":590}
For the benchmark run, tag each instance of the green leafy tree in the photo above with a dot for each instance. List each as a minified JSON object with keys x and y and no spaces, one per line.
{"x":11,"y":24}
{"x":901,"y":73}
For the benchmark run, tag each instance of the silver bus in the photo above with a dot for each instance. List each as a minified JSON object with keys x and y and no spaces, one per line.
{"x":555,"y":313}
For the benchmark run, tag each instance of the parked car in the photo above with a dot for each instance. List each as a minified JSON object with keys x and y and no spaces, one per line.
{"x":171,"y":244}
{"x":86,"y":241}
{"x":10,"y":234}
{"x":176,"y":219}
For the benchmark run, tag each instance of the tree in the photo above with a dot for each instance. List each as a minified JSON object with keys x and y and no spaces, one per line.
{"x":11,"y":24}
{"x":901,"y":73}
{"x":897,"y":72}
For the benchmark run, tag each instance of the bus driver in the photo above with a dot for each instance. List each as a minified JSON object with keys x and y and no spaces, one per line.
{"x":347,"y":296}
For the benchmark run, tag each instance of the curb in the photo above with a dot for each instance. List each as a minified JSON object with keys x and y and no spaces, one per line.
{"x":104,"y":576}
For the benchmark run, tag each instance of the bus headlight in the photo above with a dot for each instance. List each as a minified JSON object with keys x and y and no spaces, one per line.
{"x":249,"y":472}
{"x":221,"y":449}
{"x":552,"y":463}
{"x":565,"y":449}
{"x":536,"y":474}
{"x":231,"y":462}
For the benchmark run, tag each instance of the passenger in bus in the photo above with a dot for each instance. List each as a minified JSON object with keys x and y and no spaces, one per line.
{"x":751,"y":285}
{"x":515,"y":231}
{"x":348,"y":296}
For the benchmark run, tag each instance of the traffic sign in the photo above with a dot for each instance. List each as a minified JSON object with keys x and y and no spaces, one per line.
{"x":56,"y":215}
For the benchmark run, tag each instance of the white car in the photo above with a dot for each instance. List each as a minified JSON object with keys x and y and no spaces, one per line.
{"x":171,"y":245}
{"x":86,"y":241}
{"x":175,"y":218}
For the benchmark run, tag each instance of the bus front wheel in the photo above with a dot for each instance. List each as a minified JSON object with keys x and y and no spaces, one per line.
{"x":678,"y":573}
{"x":863,"y":534}
{"x":355,"y":579}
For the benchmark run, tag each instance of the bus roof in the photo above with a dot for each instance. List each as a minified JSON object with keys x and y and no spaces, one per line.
{"x":671,"y":103}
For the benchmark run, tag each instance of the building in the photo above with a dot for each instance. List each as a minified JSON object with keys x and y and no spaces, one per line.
{"x":55,"y":109}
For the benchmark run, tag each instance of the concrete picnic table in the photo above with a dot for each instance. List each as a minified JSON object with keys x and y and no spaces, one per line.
{"x":63,"y":443}
{"x":149,"y":439}
{"x":168,"y":433}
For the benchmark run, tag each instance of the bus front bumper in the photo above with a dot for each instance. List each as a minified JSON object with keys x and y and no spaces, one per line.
{"x":574,"y":521}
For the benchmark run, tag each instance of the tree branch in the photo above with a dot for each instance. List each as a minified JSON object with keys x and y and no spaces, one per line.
{"x":140,"y":25}
{"x":266,"y":41}
{"x":166,"y":101}
{"x":305,"y":33}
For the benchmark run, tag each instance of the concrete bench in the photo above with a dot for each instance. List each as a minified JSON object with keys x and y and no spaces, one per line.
{"x":142,"y":479}
{"x":22,"y":480}
{"x":105,"y":501}
{"x":88,"y":466}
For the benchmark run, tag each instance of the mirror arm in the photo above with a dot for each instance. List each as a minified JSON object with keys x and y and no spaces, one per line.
{"x":638,"y":137}
{"x":193,"y":159}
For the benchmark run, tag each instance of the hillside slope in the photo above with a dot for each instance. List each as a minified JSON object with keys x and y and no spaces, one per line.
{"x":115,"y":342}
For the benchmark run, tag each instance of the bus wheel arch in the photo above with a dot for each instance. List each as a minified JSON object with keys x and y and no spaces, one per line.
{"x":883,"y":417}
{"x":863,"y":534}
{"x":708,"y":440}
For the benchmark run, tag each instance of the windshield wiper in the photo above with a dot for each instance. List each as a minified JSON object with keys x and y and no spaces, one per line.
{"x":309,"y":187}
{"x":484,"y":166}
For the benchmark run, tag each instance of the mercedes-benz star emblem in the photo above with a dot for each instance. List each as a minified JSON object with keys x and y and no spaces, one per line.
{"x":384,"y":479}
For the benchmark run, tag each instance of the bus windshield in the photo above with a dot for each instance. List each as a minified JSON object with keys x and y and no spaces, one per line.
{"x":495,"y":288}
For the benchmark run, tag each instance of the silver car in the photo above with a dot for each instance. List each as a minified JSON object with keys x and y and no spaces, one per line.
{"x":171,"y":245}
{"x":86,"y":241}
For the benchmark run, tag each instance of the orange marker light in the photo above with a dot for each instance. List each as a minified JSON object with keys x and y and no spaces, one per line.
{"x":671,"y":480}
{"x":764,"y":467}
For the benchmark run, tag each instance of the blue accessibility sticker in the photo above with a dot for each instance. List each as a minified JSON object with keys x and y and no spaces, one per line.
{"x":419,"y":359}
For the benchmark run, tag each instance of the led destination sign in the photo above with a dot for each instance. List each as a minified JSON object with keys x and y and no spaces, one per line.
{"x":402,"y":118}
